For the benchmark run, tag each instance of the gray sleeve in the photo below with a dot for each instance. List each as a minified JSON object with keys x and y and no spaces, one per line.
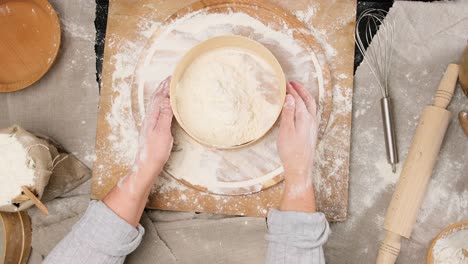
{"x":100,"y":236}
{"x":296,"y":237}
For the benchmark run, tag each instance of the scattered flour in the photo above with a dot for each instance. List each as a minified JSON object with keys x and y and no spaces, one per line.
{"x":76,"y":30}
{"x":171,"y":44}
{"x":450,"y":248}
{"x":148,"y":28}
{"x":182,"y":34}
{"x":124,"y":136}
{"x":306,"y":15}
{"x":90,"y":157}
{"x":320,"y":35}
{"x":16,"y":168}
{"x":173,"y":41}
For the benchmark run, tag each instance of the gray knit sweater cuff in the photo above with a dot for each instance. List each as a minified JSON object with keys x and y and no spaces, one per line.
{"x":298,"y":229}
{"x":110,"y":234}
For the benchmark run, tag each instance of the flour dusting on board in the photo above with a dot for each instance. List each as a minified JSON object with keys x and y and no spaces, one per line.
{"x":124,"y":136}
{"x":196,"y":27}
{"x":320,"y":35}
{"x":306,"y":15}
{"x":226,"y":173}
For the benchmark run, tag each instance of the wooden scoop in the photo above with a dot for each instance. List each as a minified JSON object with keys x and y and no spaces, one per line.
{"x":463,"y":75}
{"x":35,"y":200}
{"x":448,"y":230}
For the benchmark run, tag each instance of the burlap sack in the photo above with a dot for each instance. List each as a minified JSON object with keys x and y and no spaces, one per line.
{"x":56,"y":172}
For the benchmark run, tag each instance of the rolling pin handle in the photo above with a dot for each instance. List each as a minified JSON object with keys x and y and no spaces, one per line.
{"x":446,"y":88}
{"x":389,"y":249}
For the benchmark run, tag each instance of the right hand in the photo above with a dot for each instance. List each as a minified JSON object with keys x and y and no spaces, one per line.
{"x":296,"y":147}
{"x":129,"y":197}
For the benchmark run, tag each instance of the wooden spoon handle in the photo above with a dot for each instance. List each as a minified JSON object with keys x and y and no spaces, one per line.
{"x":35,"y":200}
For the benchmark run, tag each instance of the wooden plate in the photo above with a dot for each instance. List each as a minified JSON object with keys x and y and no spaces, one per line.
{"x":230,"y":171}
{"x":220,"y":42}
{"x":16,"y":237}
{"x":29,"y":42}
{"x":448,"y":230}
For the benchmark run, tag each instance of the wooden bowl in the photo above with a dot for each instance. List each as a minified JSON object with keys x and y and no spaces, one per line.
{"x":29,"y":42}
{"x":446,"y":231}
{"x":16,"y":237}
{"x":232,"y":41}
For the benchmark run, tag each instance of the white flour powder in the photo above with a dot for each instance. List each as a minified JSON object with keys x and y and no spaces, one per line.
{"x":142,"y":63}
{"x":228,"y":97}
{"x":158,"y":61}
{"x":15,"y":168}
{"x":176,"y":39}
{"x":172,"y":43}
{"x":449,"y":249}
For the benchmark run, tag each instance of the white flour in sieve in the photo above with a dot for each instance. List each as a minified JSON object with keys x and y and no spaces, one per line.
{"x":15,"y":168}
{"x":228,"y":97}
{"x":449,"y":249}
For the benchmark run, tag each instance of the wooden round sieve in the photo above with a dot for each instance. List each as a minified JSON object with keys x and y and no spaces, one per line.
{"x":448,"y":230}
{"x":16,"y":237}
{"x":231,"y":41}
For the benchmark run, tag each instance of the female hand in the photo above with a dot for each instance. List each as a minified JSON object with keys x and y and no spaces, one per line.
{"x":296,"y":147}
{"x":129,"y":197}
{"x":155,"y":136}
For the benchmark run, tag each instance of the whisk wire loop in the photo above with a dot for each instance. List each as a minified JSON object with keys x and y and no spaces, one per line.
{"x":379,"y":56}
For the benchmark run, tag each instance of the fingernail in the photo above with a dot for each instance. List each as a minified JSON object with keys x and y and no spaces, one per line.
{"x":289,"y":102}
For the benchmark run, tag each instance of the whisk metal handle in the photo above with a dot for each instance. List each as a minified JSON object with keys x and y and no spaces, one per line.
{"x":389,"y":130}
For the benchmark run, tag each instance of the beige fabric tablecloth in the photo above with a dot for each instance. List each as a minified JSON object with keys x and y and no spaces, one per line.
{"x":63,"y":105}
{"x":430,"y":35}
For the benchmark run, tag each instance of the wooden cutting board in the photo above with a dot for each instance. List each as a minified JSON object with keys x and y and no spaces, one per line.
{"x":335,"y":127}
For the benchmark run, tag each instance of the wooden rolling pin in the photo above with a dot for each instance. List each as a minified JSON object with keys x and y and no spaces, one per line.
{"x":411,"y":187}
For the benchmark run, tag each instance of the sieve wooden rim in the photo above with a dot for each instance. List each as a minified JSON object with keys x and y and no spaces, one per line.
{"x":460,"y":225}
{"x":211,"y":44}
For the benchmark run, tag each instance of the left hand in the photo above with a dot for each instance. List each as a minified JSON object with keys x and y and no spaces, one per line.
{"x":155,"y":136}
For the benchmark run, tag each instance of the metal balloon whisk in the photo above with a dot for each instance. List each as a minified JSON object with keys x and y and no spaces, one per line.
{"x":379,"y":58}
